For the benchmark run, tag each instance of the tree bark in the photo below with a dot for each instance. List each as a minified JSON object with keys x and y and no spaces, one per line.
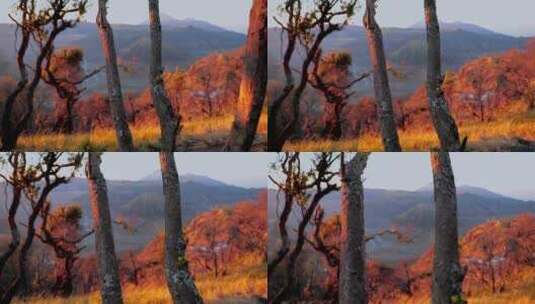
{"x":179,"y":281}
{"x":381,"y":84}
{"x":110,"y":289}
{"x":447,"y":273}
{"x":352,"y":277}
{"x":117,"y":109}
{"x":443,"y":122}
{"x":169,"y":122}
{"x":253,"y":83}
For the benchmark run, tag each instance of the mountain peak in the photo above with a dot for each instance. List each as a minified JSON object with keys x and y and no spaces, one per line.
{"x":185,"y":178}
{"x":465,"y":189}
{"x":172,"y":22}
{"x":457,"y":25}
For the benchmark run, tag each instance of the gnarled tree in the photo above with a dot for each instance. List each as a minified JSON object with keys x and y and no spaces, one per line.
{"x":304,"y":189}
{"x":443,"y":122}
{"x":65,"y":74}
{"x":61,"y":230}
{"x":447,"y":272}
{"x":179,"y":281}
{"x":33,"y":180}
{"x":306,"y":25}
{"x":381,"y":84}
{"x":39,"y":26}
{"x":169,"y":122}
{"x":110,"y":281}
{"x":331,"y":76}
{"x":253,"y":82}
{"x":115,"y":93}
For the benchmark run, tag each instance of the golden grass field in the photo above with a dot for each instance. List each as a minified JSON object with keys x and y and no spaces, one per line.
{"x":502,"y":135}
{"x":245,"y":286}
{"x":197,"y":135}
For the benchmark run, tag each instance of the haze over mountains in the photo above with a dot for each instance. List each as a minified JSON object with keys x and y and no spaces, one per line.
{"x":141,"y":205}
{"x":184,"y":42}
{"x":412,"y":212}
{"x":406,"y":49}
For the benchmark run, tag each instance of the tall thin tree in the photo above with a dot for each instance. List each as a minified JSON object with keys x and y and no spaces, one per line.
{"x":381,"y":84}
{"x":443,"y":122}
{"x":447,"y":272}
{"x":115,"y":93}
{"x":110,"y":282}
{"x":169,"y":122}
{"x":253,"y":83}
{"x":352,"y":278}
{"x":179,"y":280}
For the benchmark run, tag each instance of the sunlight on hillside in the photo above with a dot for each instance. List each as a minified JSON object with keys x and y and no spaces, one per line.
{"x":488,"y":136}
{"x":201,"y":134}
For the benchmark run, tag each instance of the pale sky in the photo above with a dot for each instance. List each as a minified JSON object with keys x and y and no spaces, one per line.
{"x":240,"y":169}
{"x":230,"y":14}
{"x":504,"y":173}
{"x":514,"y":17}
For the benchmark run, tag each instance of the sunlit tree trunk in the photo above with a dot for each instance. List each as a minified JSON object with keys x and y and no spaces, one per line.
{"x":383,"y":95}
{"x":110,"y":283}
{"x":179,"y":281}
{"x":169,"y":122}
{"x":115,"y":94}
{"x":352,"y":277}
{"x":253,"y":83}
{"x":447,"y":272}
{"x":440,"y":114}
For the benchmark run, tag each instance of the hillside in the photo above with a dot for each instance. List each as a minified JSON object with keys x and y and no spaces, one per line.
{"x":405,"y":48}
{"x":498,"y":256}
{"x":412,"y":212}
{"x":184,"y":41}
{"x":140,"y":204}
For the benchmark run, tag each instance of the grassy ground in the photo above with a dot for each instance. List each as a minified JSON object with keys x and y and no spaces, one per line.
{"x":199,"y":135}
{"x":515,"y":133}
{"x":240,"y":288}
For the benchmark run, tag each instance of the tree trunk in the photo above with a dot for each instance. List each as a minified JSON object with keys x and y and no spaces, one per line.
{"x":381,"y":84}
{"x":352,"y":278}
{"x":443,"y":122}
{"x":447,"y":273}
{"x":169,"y":122}
{"x":253,"y":83}
{"x":179,"y":281}
{"x":110,"y":286}
{"x":15,"y":234}
{"x":117,"y":109}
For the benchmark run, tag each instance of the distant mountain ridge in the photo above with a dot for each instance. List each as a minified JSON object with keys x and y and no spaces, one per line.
{"x":184,"y":42}
{"x":456,"y":26}
{"x":405,"y":49}
{"x":170,"y":21}
{"x":413,"y":212}
{"x":186,"y":178}
{"x":141,"y":204}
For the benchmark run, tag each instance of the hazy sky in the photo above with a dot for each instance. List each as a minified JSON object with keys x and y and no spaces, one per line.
{"x":505,"y":173}
{"x":231,"y":14}
{"x":512,"y":17}
{"x":242,"y":169}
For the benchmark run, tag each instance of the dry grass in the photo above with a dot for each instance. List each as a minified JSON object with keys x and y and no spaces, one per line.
{"x":500,"y":135}
{"x":229,"y":289}
{"x":201,"y":134}
{"x":247,"y":283}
